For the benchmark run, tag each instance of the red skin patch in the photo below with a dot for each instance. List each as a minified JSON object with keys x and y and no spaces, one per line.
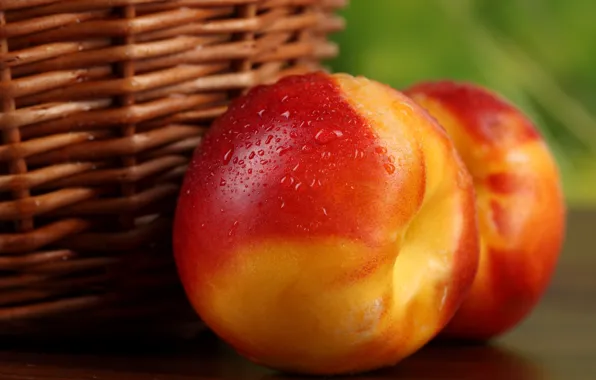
{"x":507,"y":183}
{"x":481,"y":112}
{"x":276,"y":165}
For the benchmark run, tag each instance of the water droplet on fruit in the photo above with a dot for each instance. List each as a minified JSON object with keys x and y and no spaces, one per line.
{"x":261,"y":112}
{"x":293,"y":134}
{"x":282,"y":150}
{"x":233,"y":229}
{"x":222,"y":182}
{"x":306,"y":148}
{"x":228,"y":156}
{"x":251,"y":155}
{"x":298,"y":185}
{"x":235,"y":160}
{"x":325,"y":136}
{"x":390,"y":168}
{"x":286,"y":114}
{"x":381,"y":150}
{"x":241,"y":162}
{"x":261,"y":152}
{"x":325,"y":155}
{"x":249,"y":171}
{"x":324,"y":211}
{"x":269,"y":138}
{"x":287,"y":180}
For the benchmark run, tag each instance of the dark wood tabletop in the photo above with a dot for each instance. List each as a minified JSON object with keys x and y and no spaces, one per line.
{"x":558,"y":341}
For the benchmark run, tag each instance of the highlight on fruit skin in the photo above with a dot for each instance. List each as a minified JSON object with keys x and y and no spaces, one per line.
{"x":519,"y":200}
{"x":326,"y":225}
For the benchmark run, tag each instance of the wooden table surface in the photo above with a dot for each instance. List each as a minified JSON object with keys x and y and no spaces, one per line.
{"x":558,"y":341}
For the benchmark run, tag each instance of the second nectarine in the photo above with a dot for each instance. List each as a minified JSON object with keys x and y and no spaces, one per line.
{"x":520,"y":204}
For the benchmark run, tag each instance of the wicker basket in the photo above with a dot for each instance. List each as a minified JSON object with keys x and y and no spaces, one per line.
{"x":102,"y":103}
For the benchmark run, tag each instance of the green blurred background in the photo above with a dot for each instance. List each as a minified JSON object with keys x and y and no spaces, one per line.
{"x":541,"y":54}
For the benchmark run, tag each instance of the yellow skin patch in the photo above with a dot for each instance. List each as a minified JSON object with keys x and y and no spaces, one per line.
{"x":328,"y":305}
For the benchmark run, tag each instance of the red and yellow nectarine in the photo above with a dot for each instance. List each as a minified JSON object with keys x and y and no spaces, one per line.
{"x":519,"y":200}
{"x":326,"y":225}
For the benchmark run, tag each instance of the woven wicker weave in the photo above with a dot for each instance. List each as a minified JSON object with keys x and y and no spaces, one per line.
{"x":102,"y":103}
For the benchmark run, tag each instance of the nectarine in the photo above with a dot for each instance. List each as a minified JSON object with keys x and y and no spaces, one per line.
{"x":326,"y":225}
{"x":519,"y":198}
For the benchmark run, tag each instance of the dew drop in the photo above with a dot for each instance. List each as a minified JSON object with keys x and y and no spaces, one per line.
{"x":325,"y":136}
{"x":284,"y":98}
{"x":298,"y":185}
{"x":251,"y":155}
{"x":261,"y":152}
{"x":233,"y":229}
{"x":249,"y":171}
{"x":324,"y":211}
{"x":228,"y":156}
{"x":269,"y":138}
{"x":286,"y":114}
{"x":261,"y":112}
{"x":390,"y":168}
{"x":287,"y":180}
{"x":235,"y":160}
{"x":282,"y":150}
{"x":222,"y":182}
{"x":241,"y":162}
